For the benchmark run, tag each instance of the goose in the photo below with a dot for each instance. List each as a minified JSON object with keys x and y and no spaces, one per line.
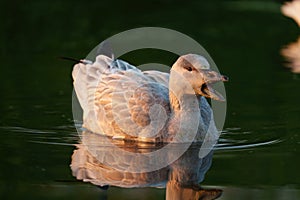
{"x":122,"y":102}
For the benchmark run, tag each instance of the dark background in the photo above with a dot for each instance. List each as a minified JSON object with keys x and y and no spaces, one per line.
{"x":243,"y":37}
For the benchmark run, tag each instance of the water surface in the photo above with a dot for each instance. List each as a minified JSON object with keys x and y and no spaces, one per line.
{"x":257,"y":156}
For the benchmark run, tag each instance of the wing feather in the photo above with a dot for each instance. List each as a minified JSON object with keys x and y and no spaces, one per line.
{"x":121,"y":101}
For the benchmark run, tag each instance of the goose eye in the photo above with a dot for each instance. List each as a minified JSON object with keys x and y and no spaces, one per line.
{"x":189,"y":69}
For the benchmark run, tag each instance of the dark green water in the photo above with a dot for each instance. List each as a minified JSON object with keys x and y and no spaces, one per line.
{"x":244,"y":38}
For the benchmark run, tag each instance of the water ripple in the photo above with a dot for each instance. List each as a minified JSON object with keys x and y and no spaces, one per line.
{"x":60,"y":135}
{"x":236,"y":138}
{"x":245,"y":146}
{"x":233,"y":138}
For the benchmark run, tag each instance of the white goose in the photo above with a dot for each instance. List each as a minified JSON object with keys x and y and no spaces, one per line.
{"x":123,"y":102}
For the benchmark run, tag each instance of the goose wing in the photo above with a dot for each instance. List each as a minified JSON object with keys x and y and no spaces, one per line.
{"x":119,"y":100}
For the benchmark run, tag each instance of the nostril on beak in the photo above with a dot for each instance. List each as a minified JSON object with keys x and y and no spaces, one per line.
{"x":225,"y":78}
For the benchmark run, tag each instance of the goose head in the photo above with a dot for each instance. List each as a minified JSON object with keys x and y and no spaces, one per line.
{"x":196,"y":70}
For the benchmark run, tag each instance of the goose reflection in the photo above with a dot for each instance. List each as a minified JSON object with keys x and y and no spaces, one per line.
{"x":291,"y":53}
{"x":292,"y":10}
{"x":100,"y":165}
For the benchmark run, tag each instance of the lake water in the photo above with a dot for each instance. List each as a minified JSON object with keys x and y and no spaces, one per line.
{"x":258,"y":152}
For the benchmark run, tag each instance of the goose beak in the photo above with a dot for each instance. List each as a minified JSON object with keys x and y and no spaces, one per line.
{"x":210,"y":77}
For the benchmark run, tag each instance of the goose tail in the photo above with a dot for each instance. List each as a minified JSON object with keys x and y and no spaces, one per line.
{"x":86,"y":76}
